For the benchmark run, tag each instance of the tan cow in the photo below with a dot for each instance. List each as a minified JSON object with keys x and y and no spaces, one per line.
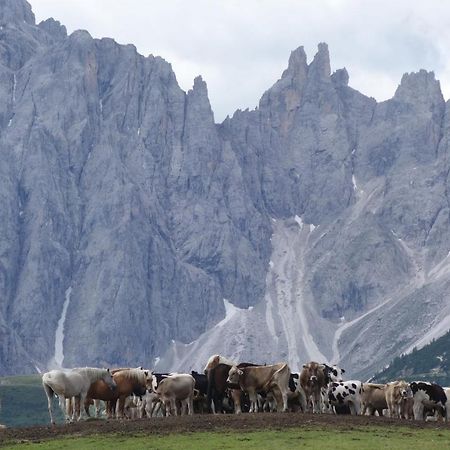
{"x":312,"y":380}
{"x":177,"y":387}
{"x":373,"y":398}
{"x":273,"y":378}
{"x":398,"y":395}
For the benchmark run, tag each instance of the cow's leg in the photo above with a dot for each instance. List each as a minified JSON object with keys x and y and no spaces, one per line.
{"x":121,"y":408}
{"x":316,"y":402}
{"x":154,"y":408}
{"x":66,"y":405}
{"x":236,"y":395}
{"x":190,"y":405}
{"x":87,"y":405}
{"x":284,"y":395}
{"x":174,"y":407}
{"x":391,"y":407}
{"x":352,"y":408}
{"x":97,"y":408}
{"x":364,"y":409}
{"x":218,"y":406}
{"x":183,"y":408}
{"x":77,"y":409}
{"x":253,"y":401}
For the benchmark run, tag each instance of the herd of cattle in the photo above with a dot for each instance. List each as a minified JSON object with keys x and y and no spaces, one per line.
{"x":226,"y":387}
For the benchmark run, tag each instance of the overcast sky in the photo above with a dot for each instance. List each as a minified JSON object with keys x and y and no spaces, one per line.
{"x":241,"y":47}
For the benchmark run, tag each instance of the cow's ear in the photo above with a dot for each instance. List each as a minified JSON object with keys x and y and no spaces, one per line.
{"x":305,"y":366}
{"x":108,"y":370}
{"x":342,"y":370}
{"x":240,"y":372}
{"x":141,"y":368}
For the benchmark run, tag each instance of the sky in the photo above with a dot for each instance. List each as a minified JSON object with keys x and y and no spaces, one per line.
{"x":241,"y":47}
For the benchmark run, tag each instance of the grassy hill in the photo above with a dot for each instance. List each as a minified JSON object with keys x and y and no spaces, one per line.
{"x":23,"y":402}
{"x":430,"y":363}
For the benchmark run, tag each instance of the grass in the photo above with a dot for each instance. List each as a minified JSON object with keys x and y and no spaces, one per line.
{"x":356,"y":438}
{"x":24,"y":402}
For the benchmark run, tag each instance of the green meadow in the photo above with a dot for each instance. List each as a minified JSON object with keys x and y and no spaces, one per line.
{"x":357,"y":438}
{"x":24,"y":403}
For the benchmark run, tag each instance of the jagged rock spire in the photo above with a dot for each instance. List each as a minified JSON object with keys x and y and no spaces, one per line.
{"x":320,"y":66}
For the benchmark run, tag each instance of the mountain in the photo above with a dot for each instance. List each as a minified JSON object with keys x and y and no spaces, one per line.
{"x":430,"y":363}
{"x":136,"y":230}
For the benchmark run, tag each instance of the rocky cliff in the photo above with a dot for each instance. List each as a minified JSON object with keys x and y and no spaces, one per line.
{"x":133,"y":227}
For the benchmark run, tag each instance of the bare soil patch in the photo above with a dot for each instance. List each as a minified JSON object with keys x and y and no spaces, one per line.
{"x":196,"y":423}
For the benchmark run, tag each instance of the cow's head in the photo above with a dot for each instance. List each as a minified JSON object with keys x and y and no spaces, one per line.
{"x":333,"y":373}
{"x":153,"y":385}
{"x":312,"y":371}
{"x":408,"y":390}
{"x":233,"y":375}
{"x":148,"y":376}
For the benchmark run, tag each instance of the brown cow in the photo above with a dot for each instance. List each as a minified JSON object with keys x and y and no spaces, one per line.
{"x":373,"y":398}
{"x":312,"y":380}
{"x":273,"y":378}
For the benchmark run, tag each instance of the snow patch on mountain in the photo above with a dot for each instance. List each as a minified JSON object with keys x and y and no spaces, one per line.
{"x":58,"y":357}
{"x":279,"y":328}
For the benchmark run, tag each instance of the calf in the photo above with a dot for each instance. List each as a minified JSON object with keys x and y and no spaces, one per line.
{"x":427,"y":395}
{"x":346,"y":393}
{"x":273,"y":378}
{"x":177,"y":387}
{"x":373,"y":398}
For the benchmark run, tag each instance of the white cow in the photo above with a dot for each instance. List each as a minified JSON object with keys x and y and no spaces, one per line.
{"x":174,"y":388}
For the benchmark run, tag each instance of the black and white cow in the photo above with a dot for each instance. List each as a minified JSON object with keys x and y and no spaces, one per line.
{"x":345,"y":393}
{"x":427,"y":395}
{"x":332,"y":374}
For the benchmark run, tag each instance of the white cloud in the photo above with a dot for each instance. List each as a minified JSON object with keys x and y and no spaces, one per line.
{"x":241,"y":47}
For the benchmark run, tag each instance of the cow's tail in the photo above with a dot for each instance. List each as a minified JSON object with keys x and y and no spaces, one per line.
{"x":211,"y":387}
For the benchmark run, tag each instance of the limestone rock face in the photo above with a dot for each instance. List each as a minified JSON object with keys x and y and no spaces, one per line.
{"x":134,"y":229}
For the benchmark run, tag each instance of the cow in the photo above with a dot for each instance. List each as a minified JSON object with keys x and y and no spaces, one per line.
{"x":332,"y":373}
{"x":201,"y":391}
{"x":398,"y":398}
{"x":262,"y":378}
{"x":217,"y":371}
{"x":296,"y":395}
{"x":312,"y":380}
{"x":373,"y":399}
{"x":174,"y":388}
{"x":346,"y":393}
{"x":427,"y":395}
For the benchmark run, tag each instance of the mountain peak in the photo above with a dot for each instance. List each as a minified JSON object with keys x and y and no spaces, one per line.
{"x":16,"y":11}
{"x":320,"y":65}
{"x":297,"y":61}
{"x":418,"y":86}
